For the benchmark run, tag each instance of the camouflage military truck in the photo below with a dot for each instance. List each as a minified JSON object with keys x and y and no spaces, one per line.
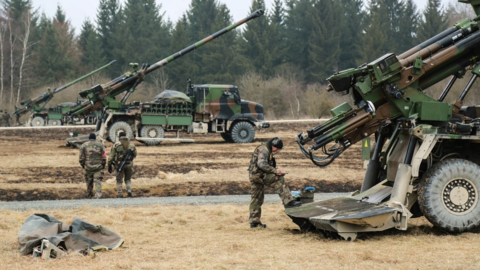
{"x":207,"y":108}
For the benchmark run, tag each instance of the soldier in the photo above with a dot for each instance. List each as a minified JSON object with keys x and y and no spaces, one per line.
{"x":117,"y":155}
{"x":264,"y":172}
{"x":93,"y":159}
{"x":6,"y":118}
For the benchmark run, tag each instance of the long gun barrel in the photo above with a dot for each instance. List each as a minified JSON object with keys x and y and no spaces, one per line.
{"x":104,"y":95}
{"x":44,"y":98}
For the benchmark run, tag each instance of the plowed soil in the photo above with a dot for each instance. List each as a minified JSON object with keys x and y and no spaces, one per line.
{"x":37,"y":165}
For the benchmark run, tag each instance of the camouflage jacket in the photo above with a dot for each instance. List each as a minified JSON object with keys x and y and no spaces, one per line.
{"x":93,"y":156}
{"x":262,"y":161}
{"x":118,"y":153}
{"x":6,"y":116}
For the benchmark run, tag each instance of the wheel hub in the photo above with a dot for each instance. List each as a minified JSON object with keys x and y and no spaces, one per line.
{"x":152,"y":133}
{"x":243,"y":133}
{"x":460,"y":196}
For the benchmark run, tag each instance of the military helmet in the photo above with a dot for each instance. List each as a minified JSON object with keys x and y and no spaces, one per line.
{"x":122,"y":136}
{"x":277,"y":142}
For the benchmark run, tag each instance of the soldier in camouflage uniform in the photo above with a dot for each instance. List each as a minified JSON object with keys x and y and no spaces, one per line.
{"x":117,"y":155}
{"x":264,"y":172}
{"x":6,"y":118}
{"x":93,"y":159}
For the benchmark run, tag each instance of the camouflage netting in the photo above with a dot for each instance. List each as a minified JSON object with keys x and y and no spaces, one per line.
{"x":79,"y":236}
{"x":173,"y":95}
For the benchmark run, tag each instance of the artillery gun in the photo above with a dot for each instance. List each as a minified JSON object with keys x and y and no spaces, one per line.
{"x":53,"y":116}
{"x":426,"y":155}
{"x":103,"y":98}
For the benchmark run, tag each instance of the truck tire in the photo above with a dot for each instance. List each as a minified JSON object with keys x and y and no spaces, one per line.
{"x":227,"y":137}
{"x":54,"y":122}
{"x":118,"y":127}
{"x":243,"y":132}
{"x":38,"y":121}
{"x":152,"y":132}
{"x":448,"y":195}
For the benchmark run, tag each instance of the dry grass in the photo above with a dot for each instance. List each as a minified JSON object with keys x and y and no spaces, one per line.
{"x":218,"y":237}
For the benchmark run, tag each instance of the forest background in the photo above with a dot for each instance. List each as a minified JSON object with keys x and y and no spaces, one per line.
{"x":280,"y":60}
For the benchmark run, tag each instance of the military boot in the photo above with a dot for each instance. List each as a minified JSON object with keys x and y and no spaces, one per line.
{"x":120,"y":195}
{"x":258,"y":225}
{"x":129,"y":193}
{"x":293,"y":204}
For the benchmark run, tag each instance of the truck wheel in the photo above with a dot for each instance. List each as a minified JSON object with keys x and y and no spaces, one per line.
{"x":116,"y":128}
{"x":54,"y":122}
{"x":38,"y":122}
{"x":243,"y":132}
{"x":227,"y":137}
{"x":448,"y":195}
{"x":156,"y":132}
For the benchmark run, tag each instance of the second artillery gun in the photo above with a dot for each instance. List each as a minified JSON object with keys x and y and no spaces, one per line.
{"x":426,"y":157}
{"x":136,"y":118}
{"x":54,"y":116}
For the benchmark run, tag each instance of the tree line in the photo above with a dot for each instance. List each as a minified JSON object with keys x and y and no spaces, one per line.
{"x":298,"y":43}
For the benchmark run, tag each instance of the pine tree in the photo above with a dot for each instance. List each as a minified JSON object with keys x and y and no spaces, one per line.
{"x":87,"y":29}
{"x":145,"y":36}
{"x":56,"y":57}
{"x":433,"y":22}
{"x":218,"y":61}
{"x":18,"y":7}
{"x":407,"y":27}
{"x":109,"y":17}
{"x":298,"y":31}
{"x":278,"y":40}
{"x":257,"y":46}
{"x":324,"y":42}
{"x":90,"y":46}
{"x":179,"y":71}
{"x":351,"y":33}
{"x":60,"y":15}
{"x":375,"y":40}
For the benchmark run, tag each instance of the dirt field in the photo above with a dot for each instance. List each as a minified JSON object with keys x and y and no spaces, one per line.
{"x":36,"y":165}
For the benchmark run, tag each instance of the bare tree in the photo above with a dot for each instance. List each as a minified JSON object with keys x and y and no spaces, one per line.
{"x":27,"y":22}
{"x":160,"y":80}
{"x":2,"y":39}
{"x":12,"y":63}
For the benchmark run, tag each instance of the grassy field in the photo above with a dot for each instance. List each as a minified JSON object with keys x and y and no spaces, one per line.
{"x":218,"y":237}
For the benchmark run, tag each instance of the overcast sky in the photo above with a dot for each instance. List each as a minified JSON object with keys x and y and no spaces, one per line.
{"x":79,"y":10}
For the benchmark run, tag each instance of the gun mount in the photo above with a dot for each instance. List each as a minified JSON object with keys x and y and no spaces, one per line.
{"x":37,"y":104}
{"x":425,"y":158}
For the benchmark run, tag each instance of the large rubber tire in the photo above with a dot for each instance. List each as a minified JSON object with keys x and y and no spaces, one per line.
{"x":152,"y":132}
{"x":448,"y":195}
{"x":243,"y":132}
{"x":54,"y":122}
{"x":118,"y":127}
{"x":38,"y":122}
{"x":227,"y":137}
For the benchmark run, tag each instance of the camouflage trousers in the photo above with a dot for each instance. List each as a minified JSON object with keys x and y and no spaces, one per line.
{"x":257,"y":186}
{"x":126,"y":174}
{"x":94,"y":177}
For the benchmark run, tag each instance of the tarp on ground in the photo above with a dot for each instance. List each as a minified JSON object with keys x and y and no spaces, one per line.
{"x":173,"y":95}
{"x":79,"y":236}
